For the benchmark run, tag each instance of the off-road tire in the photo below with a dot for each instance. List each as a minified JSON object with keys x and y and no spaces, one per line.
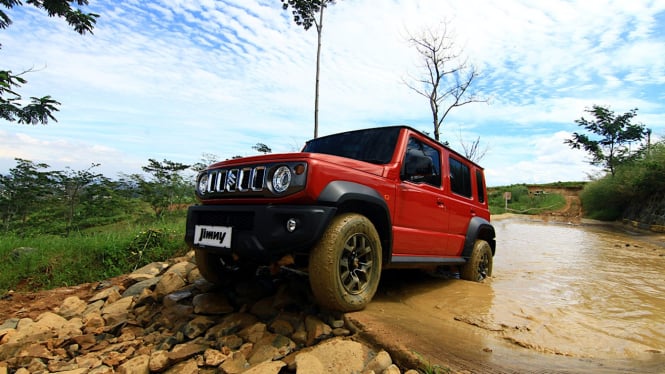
{"x":210,"y":267}
{"x":479,"y":265}
{"x":345,"y":265}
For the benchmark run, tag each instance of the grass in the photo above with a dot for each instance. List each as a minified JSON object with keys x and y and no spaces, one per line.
{"x":523,"y":202}
{"x":48,"y":261}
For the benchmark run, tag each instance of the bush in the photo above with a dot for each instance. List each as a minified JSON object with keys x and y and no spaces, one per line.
{"x":601,"y":200}
{"x":634,"y":184}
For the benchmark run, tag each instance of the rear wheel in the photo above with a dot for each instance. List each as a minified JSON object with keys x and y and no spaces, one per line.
{"x":479,"y":265}
{"x":345,"y":266}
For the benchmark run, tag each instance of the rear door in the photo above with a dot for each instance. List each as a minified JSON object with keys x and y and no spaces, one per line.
{"x":460,"y":201}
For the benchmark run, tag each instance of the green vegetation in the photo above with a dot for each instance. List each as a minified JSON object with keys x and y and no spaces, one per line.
{"x":426,"y":367}
{"x":635,"y":182}
{"x":47,"y":261}
{"x":67,"y":227}
{"x":524,"y":202}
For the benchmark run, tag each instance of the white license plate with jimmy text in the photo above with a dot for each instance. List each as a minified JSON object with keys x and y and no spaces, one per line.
{"x":213,"y":236}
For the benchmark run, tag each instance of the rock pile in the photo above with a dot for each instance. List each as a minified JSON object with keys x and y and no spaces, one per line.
{"x":167,"y":318}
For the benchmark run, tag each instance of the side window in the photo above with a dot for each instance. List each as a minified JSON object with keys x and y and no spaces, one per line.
{"x":460,"y":178}
{"x":479,"y":186}
{"x":422,"y":163}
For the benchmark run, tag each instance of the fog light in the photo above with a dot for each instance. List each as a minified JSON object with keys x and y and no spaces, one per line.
{"x":291,"y":225}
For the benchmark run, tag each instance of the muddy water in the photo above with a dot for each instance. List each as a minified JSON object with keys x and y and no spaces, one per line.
{"x":562,"y":298}
{"x":579,"y":291}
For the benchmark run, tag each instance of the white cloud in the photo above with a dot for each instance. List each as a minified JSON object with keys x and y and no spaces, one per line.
{"x":173,"y":79}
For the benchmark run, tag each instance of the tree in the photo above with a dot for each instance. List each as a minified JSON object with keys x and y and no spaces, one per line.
{"x":446,"y":78}
{"x":23,"y":190}
{"x":304,"y":14}
{"x":166,"y":186}
{"x":610,"y":137}
{"x":260,"y":147}
{"x":40,"y":110}
{"x":72,"y":184}
{"x":206,"y":160}
{"x":472,"y":150}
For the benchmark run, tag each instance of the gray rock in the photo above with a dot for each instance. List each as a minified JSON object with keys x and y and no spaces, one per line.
{"x":168,"y":283}
{"x":337,"y":356}
{"x":392,"y":369}
{"x":136,"y":365}
{"x":317,"y":330}
{"x":136,"y":288}
{"x":109,"y":293}
{"x":211,"y":303}
{"x":159,"y":361}
{"x":268,"y":367}
{"x":380,"y":362}
{"x":187,"y":350}
{"x":213,"y":357}
{"x":177,"y":296}
{"x":153,"y":269}
{"x":235,"y":363}
{"x":181,"y":268}
{"x":253,"y":333}
{"x":187,"y":367}
{"x":72,"y":307}
{"x":198,"y":326}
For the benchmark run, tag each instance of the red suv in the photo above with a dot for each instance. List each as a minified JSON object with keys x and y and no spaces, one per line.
{"x":343,"y":209}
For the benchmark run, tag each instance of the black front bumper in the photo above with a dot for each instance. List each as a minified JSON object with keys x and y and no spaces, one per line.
{"x":259,"y":231}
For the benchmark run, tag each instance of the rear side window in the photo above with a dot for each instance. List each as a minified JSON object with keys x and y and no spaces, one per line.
{"x":460,"y":178}
{"x":479,"y":186}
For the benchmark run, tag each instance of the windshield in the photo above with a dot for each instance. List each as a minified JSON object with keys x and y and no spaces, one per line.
{"x":372,"y":145}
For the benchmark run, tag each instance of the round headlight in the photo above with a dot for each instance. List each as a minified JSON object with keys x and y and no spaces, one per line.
{"x":281,"y":179}
{"x":202,"y":186}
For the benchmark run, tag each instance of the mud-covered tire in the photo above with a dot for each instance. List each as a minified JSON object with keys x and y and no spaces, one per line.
{"x":210,"y":266}
{"x":479,"y":265}
{"x":345,"y":265}
{"x":213,"y":270}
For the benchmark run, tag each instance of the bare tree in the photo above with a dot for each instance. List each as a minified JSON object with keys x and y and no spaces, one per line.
{"x":304,"y":14}
{"x":473,"y":151}
{"x":446,"y":78}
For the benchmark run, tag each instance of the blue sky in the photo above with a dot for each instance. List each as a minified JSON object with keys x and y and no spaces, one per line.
{"x":174,"y":79}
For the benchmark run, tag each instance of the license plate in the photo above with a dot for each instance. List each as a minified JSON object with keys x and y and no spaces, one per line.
{"x":213,"y":236}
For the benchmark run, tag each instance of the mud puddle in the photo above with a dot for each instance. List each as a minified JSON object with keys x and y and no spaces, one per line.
{"x":563,"y":298}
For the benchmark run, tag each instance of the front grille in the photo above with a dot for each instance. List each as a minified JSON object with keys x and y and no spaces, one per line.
{"x":237,"y":180}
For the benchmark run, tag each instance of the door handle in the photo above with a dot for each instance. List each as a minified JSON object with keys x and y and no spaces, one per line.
{"x":440,"y":202}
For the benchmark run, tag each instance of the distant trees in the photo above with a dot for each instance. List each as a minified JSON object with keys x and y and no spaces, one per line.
{"x":609,"y":137}
{"x":40,"y":110}
{"x":34,"y":198}
{"x":260,"y":147}
{"x":446,"y":78}
{"x":166,"y":186}
{"x":305,"y":15}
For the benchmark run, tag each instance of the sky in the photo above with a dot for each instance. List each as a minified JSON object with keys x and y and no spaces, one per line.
{"x":178,"y":79}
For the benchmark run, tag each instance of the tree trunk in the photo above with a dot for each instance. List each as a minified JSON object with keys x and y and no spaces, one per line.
{"x":319,"y":28}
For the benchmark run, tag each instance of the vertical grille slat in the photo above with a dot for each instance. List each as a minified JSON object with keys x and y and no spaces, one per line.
{"x":246,"y":179}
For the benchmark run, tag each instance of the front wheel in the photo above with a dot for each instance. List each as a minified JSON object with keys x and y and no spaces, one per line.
{"x":220,"y":270}
{"x":479,"y":265}
{"x":345,"y":266}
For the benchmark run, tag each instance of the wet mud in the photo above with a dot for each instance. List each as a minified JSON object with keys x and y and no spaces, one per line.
{"x":563,"y":298}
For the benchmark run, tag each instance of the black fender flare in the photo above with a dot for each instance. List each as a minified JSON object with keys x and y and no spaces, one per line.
{"x":479,"y":228}
{"x":338,"y":193}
